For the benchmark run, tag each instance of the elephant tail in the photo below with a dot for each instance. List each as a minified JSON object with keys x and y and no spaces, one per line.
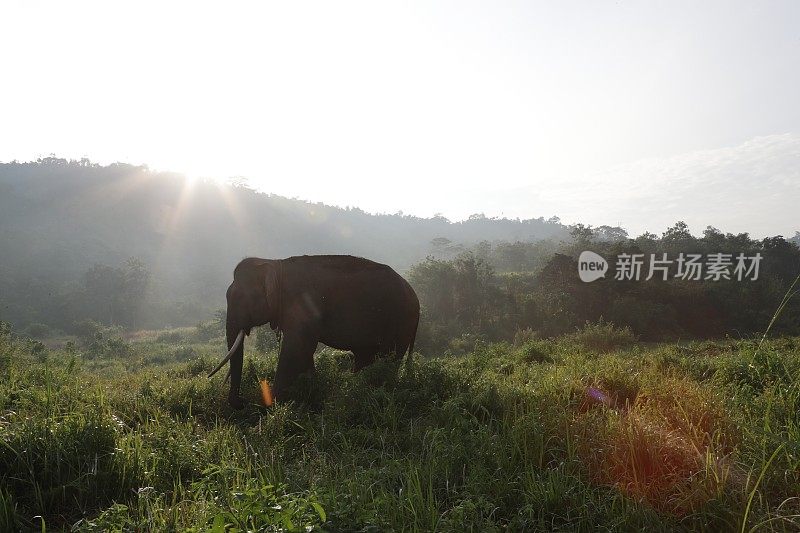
{"x":413,"y":338}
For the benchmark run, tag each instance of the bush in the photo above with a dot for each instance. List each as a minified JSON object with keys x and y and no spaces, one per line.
{"x":117,"y":347}
{"x":184,"y":353}
{"x":523,"y":336}
{"x":88,"y":330}
{"x":536,"y":351}
{"x":170,"y":337}
{"x":99,"y":340}
{"x":37,"y":330}
{"x":6,"y":345}
{"x":465,"y":343}
{"x":603,"y":336}
{"x":208,"y":330}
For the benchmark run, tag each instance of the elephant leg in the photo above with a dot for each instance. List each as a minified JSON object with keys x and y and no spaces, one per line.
{"x":363,"y":357}
{"x":296,"y":357}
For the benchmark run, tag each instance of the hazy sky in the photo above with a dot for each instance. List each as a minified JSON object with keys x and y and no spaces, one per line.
{"x":631,"y":113}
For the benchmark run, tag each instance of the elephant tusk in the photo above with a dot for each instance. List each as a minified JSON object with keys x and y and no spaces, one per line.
{"x":236,"y":344}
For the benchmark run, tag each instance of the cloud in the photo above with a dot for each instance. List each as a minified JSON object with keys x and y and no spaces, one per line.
{"x":753,"y":187}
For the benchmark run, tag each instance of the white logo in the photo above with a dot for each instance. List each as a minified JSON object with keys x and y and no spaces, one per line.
{"x":591,"y":266}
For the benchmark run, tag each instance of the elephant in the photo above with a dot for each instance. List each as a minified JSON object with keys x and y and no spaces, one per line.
{"x":345,"y":302}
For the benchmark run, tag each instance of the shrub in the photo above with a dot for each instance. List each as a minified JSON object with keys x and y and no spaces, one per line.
{"x":523,"y":336}
{"x":89,"y":330}
{"x":6,"y":345}
{"x":170,"y":337}
{"x":37,"y":349}
{"x":536,"y":351}
{"x":603,"y":336}
{"x":206,"y":331}
{"x":117,"y":346}
{"x":265,"y":508}
{"x":466,"y":343}
{"x":184,"y":353}
{"x":37,"y":330}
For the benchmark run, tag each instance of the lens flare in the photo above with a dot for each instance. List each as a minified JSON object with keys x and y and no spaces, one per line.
{"x":266,"y":393}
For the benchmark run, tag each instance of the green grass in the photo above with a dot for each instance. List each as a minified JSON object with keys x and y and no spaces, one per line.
{"x":697,"y":437}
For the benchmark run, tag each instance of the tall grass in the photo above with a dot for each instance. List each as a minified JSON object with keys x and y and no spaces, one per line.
{"x":550,"y":435}
{"x":790,"y":293}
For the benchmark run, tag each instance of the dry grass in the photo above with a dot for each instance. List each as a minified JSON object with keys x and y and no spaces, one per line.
{"x":666,"y":446}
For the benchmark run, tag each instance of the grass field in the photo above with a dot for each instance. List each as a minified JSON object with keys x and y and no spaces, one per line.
{"x":583,"y":433}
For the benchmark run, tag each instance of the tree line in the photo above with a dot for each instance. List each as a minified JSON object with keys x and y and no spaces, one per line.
{"x":482,"y":294}
{"x":126,"y":246}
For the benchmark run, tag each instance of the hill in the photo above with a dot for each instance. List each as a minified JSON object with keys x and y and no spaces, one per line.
{"x":59,"y":218}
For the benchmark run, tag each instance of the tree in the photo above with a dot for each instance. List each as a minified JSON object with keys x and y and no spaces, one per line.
{"x":581,"y":234}
{"x":678,"y":232}
{"x":114,"y":295}
{"x":610,"y":233}
{"x":442,"y":246}
{"x":136,"y":278}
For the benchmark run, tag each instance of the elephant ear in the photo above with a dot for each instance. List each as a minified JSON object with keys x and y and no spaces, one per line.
{"x":272,"y":291}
